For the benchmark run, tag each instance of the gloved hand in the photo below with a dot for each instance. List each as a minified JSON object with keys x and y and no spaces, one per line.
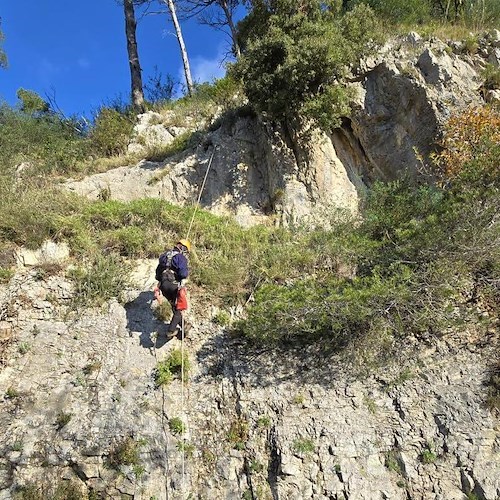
{"x":182,"y":283}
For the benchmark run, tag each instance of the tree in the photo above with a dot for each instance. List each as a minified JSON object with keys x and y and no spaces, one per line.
{"x":32,"y":103}
{"x":3,"y":56}
{"x":178,"y":33}
{"x":296,"y":57}
{"x":133,"y":55}
{"x":218,"y":14}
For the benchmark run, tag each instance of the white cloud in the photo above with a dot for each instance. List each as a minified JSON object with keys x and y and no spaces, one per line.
{"x":204,"y":69}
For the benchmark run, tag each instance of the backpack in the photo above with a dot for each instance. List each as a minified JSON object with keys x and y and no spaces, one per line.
{"x":166,"y":258}
{"x":164,"y":270}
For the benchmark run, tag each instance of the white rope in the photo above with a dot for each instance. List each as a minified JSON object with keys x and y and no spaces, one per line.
{"x":184,"y":417}
{"x":182,"y":403}
{"x":201,"y":192}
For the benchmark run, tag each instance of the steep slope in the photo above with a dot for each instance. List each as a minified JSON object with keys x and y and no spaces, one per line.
{"x":405,"y":95}
{"x":80,"y":408}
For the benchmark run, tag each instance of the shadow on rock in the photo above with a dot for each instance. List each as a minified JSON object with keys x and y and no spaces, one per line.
{"x":226,"y":356}
{"x":142,"y":321}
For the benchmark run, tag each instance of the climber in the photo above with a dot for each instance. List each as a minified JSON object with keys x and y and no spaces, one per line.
{"x":171,"y":273}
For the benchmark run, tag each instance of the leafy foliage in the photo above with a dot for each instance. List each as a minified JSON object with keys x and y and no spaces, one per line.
{"x":31,"y":102}
{"x":3,"y":56}
{"x":175,"y":365}
{"x":102,"y":278}
{"x":112,"y":131}
{"x":411,"y":12}
{"x":44,"y":140}
{"x":417,"y":253}
{"x":296,"y":56}
{"x":125,"y":452}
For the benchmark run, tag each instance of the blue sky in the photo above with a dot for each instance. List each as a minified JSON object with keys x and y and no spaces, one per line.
{"x":76,"y":50}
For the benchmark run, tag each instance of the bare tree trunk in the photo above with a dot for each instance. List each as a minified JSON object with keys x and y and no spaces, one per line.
{"x":232,"y":27}
{"x":182,"y":46}
{"x":133,"y":56}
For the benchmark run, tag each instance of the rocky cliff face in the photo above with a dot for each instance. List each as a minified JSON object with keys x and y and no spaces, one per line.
{"x":405,"y":94}
{"x":81,"y":411}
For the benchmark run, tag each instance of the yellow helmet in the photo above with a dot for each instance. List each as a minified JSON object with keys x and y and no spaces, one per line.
{"x":186,"y":243}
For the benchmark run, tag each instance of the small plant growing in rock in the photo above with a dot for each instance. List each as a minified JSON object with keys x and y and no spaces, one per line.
{"x":238,"y":434}
{"x":24,"y":347}
{"x":17,"y":445}
{"x":208,"y":456}
{"x":303,"y":446}
{"x":5,"y":275}
{"x":176,"y":425}
{"x":255,"y":466}
{"x":428,"y":456}
{"x":80,"y":380}
{"x":172,"y":367}
{"x":392,"y":462}
{"x":298,"y":399}
{"x":370,"y":404}
{"x":264,"y":422}
{"x":470,"y":45}
{"x":62,"y":419}
{"x":222,"y":318}
{"x":163,"y":312}
{"x":92,"y":367}
{"x":125,"y":452}
{"x":186,"y":448}
{"x":12,"y":393}
{"x":493,"y":395}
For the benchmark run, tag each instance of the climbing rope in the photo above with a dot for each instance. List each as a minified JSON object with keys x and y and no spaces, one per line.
{"x":182,"y":404}
{"x":184,"y":416}
{"x":201,"y":192}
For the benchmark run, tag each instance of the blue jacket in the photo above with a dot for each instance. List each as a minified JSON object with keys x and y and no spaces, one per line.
{"x":178,"y":264}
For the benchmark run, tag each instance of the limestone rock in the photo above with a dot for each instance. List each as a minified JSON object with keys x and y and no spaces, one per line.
{"x":49,"y":253}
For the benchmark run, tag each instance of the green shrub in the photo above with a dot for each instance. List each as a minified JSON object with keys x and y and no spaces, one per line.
{"x":222,"y":318}
{"x":264,"y":422}
{"x":24,"y":347}
{"x":163,"y":311}
{"x":179,"y":144}
{"x":111,"y":132}
{"x":491,"y":76}
{"x":428,"y":456}
{"x":12,"y":393}
{"x":30,"y":212}
{"x":400,"y":11}
{"x":493,"y":390}
{"x":60,"y":490}
{"x":128,"y":241}
{"x":295,"y":60}
{"x":125,"y":452}
{"x":176,"y":426}
{"x":187,"y":449}
{"x":5,"y":275}
{"x":103,"y":278}
{"x":49,"y":143}
{"x":238,"y":434}
{"x":303,"y":446}
{"x":172,"y":367}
